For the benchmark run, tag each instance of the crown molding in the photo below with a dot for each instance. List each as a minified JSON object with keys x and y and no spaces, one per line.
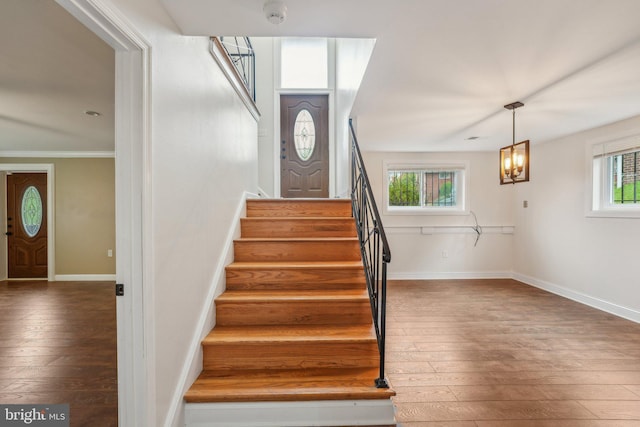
{"x":59,"y":154}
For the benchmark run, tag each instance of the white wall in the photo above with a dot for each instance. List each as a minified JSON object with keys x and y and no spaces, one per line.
{"x":352,"y":58}
{"x":265,"y":92}
{"x":420,"y":256}
{"x":204,"y":156}
{"x":557,"y":246}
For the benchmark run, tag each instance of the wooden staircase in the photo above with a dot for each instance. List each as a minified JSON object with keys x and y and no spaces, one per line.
{"x":294,"y":323}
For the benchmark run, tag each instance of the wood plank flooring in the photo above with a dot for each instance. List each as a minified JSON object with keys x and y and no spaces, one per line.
{"x":498,"y":353}
{"x":58,"y":345}
{"x":472,"y":353}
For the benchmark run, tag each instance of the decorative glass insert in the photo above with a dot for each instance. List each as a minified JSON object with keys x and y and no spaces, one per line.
{"x":31,"y":211}
{"x":304,"y":135}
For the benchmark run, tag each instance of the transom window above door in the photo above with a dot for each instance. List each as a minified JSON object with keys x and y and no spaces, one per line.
{"x":304,"y":63}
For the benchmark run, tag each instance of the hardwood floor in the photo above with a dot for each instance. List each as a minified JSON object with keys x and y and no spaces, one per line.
{"x":58,"y":345}
{"x":498,"y":353}
{"x":473,"y":353}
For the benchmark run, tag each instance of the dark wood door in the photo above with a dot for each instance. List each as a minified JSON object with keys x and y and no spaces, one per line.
{"x":304,"y":150}
{"x":27,"y":225}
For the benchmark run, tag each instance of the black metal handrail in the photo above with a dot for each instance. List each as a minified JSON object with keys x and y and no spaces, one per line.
{"x":373,"y":245}
{"x":243,"y":57}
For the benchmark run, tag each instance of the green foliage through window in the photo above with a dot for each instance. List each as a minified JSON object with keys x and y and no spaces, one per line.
{"x":404,"y":188}
{"x":625,"y":178}
{"x":422,"y":188}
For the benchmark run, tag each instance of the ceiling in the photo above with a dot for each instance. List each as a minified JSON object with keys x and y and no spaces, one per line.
{"x":442,"y":70}
{"x":53,"y":69}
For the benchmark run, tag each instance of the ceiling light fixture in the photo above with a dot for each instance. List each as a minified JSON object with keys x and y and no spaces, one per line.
{"x":92,"y":113}
{"x":514,"y":159}
{"x":275,"y":11}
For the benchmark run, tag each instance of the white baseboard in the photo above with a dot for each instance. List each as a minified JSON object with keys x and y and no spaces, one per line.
{"x":85,"y":277}
{"x":606,"y":306}
{"x":285,"y":414}
{"x":444,"y":275}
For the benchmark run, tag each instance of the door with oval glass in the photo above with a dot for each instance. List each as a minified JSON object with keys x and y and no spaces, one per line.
{"x":304,"y":150}
{"x":27,"y":225}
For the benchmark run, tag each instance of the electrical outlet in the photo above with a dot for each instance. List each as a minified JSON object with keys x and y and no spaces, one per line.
{"x":445,"y":254}
{"x":525,"y":204}
{"x":109,"y":253}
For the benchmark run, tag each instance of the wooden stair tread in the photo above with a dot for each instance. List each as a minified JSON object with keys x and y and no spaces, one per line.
{"x":287,"y":385}
{"x":296,"y":239}
{"x":289,"y":295}
{"x":298,"y":207}
{"x":297,"y":249}
{"x":290,"y":333}
{"x":295,"y":275}
{"x":295,"y":321}
{"x":276,"y":265}
{"x":298,"y":218}
{"x":311,"y":226}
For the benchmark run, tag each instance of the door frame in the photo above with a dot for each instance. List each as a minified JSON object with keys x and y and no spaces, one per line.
{"x":329,"y":137}
{"x":134,"y":310}
{"x":278,"y":136}
{"x":331,"y":63}
{"x":47,"y":168}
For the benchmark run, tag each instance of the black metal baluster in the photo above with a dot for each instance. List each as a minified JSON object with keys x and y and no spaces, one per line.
{"x":373,"y":241}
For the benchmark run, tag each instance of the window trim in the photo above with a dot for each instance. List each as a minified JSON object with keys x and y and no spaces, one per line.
{"x":462,"y":192}
{"x":598,"y":180}
{"x":326,"y":84}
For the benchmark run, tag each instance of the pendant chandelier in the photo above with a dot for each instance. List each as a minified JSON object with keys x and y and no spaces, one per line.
{"x":514,"y":159}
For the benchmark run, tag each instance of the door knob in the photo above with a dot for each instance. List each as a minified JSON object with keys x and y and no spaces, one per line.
{"x":8,"y":233}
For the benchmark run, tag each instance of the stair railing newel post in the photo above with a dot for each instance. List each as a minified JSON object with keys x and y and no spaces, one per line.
{"x":373,"y":247}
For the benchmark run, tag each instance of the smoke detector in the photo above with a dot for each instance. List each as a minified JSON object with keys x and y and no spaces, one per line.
{"x":275,"y":11}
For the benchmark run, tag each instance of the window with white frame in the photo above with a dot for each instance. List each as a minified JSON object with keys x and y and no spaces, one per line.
{"x":304,"y":63}
{"x":425,"y":189}
{"x":616,"y":176}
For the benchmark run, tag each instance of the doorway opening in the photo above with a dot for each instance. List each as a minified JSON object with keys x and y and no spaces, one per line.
{"x":48,"y":222}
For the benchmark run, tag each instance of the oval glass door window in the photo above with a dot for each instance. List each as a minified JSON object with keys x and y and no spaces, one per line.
{"x":304,"y":135}
{"x":31,"y":211}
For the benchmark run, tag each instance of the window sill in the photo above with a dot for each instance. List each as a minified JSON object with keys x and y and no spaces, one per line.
{"x":614,"y":213}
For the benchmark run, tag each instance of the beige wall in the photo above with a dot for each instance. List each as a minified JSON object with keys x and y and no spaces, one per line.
{"x":3,"y":221}
{"x":84,"y":214}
